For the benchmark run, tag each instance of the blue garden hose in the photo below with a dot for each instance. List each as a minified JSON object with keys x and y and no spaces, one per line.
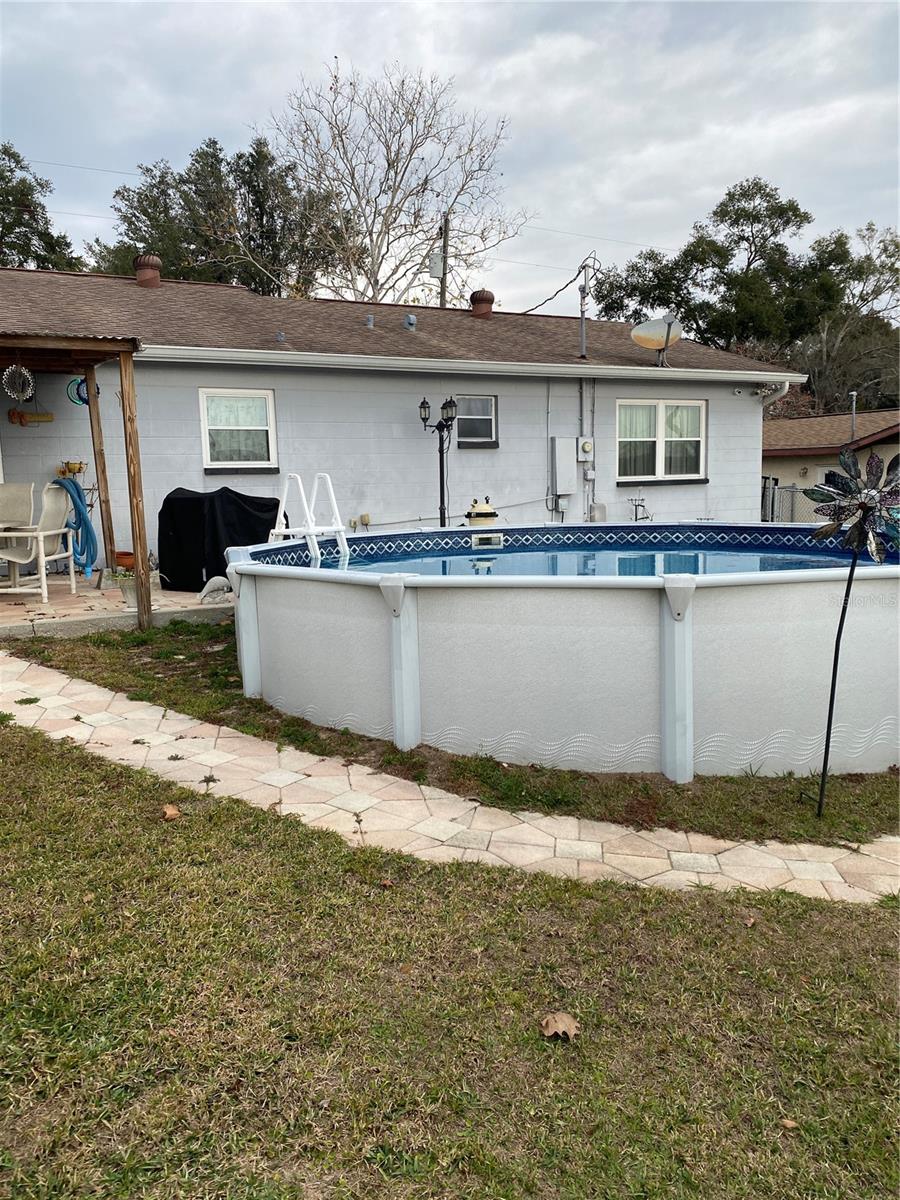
{"x":84,"y":539}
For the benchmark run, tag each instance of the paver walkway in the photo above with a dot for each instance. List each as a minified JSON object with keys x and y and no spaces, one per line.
{"x":381,"y":810}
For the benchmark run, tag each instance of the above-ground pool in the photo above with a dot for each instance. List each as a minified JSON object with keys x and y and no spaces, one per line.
{"x":679,"y":648}
{"x":611,"y":561}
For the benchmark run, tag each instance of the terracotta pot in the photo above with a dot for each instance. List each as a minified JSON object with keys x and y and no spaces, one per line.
{"x":125,"y":560}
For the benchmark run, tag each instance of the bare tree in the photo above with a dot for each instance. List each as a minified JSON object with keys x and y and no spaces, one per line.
{"x":396,"y":153}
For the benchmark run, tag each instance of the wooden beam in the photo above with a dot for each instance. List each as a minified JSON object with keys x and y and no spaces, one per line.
{"x":106,"y":347}
{"x":109,"y":539}
{"x":135,"y":489}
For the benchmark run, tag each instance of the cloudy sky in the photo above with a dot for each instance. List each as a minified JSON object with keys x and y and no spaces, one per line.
{"x":628,"y":120}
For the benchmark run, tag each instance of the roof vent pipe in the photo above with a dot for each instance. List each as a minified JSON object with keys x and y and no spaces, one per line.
{"x":482,"y":303}
{"x":147,"y":269}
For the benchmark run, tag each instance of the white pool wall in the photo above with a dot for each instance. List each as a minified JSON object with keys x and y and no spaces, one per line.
{"x":708,"y":674}
{"x":762,"y":670}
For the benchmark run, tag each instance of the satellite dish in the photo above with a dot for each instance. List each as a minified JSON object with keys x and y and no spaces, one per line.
{"x":658,"y":335}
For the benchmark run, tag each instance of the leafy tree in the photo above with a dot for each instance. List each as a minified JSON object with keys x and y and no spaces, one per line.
{"x":736,"y":280}
{"x":27,"y":237}
{"x":737,"y":284}
{"x":397,"y":153}
{"x":854,"y":346}
{"x":239,"y":219}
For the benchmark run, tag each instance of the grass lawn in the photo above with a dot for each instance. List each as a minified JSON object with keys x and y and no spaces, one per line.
{"x":230,"y":1004}
{"x":193,"y":669}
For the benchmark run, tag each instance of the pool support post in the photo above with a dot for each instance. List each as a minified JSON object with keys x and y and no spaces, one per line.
{"x":246,"y":623}
{"x":406,"y":703}
{"x":676,"y":660}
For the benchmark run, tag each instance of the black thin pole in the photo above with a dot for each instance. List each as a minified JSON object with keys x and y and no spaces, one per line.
{"x":441,"y":452}
{"x":820,"y":808}
{"x":445,"y":258}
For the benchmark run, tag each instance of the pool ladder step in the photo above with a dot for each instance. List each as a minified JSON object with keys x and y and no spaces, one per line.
{"x":311,"y":530}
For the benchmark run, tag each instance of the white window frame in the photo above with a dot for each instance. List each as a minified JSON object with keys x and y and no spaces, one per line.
{"x":473,"y":443}
{"x":269,"y":396}
{"x":661,"y":439}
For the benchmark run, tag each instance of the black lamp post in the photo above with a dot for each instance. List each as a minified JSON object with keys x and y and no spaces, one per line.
{"x":443,"y":429}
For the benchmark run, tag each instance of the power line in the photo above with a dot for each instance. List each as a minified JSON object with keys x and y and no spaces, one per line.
{"x":43,"y":162}
{"x":595,"y":237}
{"x":63,"y":212}
{"x":588,"y":260}
{"x":517,"y":262}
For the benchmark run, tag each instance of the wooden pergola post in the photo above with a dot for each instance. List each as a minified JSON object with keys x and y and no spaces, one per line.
{"x":106,"y":522}
{"x":135,"y":489}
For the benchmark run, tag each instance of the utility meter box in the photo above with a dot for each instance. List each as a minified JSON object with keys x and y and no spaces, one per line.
{"x":585,"y":449}
{"x":563,"y":466}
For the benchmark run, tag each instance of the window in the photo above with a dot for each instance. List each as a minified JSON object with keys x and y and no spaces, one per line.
{"x":476,"y":421}
{"x":658,"y":440}
{"x":238,"y":429}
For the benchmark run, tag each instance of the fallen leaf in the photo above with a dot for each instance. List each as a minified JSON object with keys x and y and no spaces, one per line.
{"x":560,"y":1025}
{"x":171,"y":812}
{"x":787,"y":1123}
{"x":749,"y":922}
{"x":387,"y":883}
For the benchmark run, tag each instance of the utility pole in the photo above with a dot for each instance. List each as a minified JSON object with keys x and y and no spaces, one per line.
{"x":445,"y":257}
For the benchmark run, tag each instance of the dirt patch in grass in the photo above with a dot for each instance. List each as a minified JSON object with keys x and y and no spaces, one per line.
{"x":231,"y":1004}
{"x":193,"y":668}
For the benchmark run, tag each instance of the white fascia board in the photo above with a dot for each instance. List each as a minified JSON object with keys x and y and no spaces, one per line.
{"x":227,"y":356}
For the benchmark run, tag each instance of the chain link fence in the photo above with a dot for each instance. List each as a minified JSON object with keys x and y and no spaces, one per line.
{"x":786,"y":503}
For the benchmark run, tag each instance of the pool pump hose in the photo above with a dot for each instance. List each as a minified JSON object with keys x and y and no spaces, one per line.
{"x":84,"y":539}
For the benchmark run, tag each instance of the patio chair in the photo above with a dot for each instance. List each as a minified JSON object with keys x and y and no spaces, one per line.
{"x":48,"y":541}
{"x":16,"y":504}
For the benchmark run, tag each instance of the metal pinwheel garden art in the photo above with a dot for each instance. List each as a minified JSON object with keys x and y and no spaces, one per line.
{"x":867,"y":508}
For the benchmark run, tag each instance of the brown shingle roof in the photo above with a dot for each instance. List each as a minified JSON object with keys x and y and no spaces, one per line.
{"x":821,"y":435}
{"x":218,"y":315}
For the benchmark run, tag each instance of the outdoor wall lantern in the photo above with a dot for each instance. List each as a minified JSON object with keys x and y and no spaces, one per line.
{"x":443,"y":429}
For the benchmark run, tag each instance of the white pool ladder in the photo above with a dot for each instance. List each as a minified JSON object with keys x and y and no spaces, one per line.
{"x":309,"y":529}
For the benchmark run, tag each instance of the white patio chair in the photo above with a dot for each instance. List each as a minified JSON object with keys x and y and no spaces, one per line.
{"x":16,"y":504}
{"x":48,"y":541}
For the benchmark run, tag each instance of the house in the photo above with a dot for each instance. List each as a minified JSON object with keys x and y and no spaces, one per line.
{"x":238,"y":389}
{"x":799,"y":451}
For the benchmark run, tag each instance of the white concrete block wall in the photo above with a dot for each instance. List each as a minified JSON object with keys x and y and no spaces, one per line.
{"x":363,"y":428}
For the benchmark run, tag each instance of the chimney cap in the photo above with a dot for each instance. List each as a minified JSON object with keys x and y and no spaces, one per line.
{"x":482,"y":296}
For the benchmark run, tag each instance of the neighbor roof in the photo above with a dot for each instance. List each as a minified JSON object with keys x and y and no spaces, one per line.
{"x":824,"y":435}
{"x":222,"y":316}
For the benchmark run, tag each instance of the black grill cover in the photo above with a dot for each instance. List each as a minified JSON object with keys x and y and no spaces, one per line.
{"x":196,"y":528}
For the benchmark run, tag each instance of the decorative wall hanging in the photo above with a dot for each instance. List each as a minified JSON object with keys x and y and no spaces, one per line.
{"x":77,"y":391}
{"x":18,"y":416}
{"x":18,"y":382}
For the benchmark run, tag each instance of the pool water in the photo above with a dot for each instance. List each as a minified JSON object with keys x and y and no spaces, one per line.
{"x":605,"y":561}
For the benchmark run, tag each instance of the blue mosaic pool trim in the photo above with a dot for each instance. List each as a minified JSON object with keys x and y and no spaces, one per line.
{"x":377,"y":546}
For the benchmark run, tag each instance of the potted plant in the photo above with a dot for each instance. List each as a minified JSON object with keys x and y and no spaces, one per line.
{"x":126,"y":581}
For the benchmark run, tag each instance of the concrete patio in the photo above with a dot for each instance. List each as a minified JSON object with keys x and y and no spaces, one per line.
{"x":368,"y":808}
{"x":90,"y":609}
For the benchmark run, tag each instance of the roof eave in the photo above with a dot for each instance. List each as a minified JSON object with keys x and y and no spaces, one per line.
{"x":452,"y":366}
{"x":870,"y":439}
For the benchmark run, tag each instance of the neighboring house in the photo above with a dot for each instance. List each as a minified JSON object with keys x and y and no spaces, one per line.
{"x":238,"y":389}
{"x":799,"y":451}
